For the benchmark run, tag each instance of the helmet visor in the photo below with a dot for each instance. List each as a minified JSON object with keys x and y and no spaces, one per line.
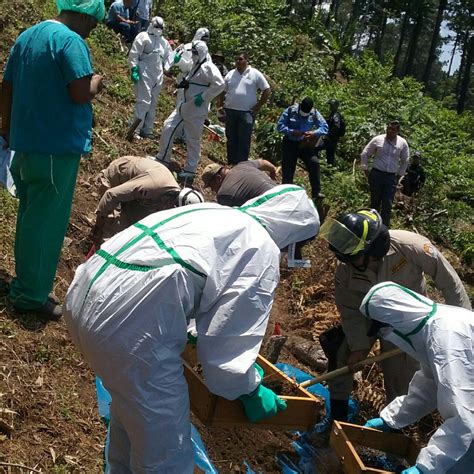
{"x":341,"y":238}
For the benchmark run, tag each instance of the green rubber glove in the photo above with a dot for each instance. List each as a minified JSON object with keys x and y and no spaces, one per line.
{"x":177,"y":58}
{"x":259,"y":370}
{"x":192,"y":339}
{"x":134,"y":74}
{"x":262,"y":403}
{"x":198,"y":100}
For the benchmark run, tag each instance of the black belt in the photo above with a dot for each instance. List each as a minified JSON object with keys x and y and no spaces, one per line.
{"x":384,"y":172}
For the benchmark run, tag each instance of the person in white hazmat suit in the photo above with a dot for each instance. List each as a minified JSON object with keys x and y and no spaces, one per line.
{"x":202,"y":83}
{"x":440,"y":337}
{"x":147,"y":55}
{"x":128,"y":307}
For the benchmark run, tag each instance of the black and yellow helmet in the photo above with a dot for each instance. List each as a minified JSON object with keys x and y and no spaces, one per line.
{"x":356,"y":233}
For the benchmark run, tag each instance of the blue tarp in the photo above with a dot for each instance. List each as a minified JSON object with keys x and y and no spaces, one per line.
{"x":200,"y":455}
{"x":303,"y":448}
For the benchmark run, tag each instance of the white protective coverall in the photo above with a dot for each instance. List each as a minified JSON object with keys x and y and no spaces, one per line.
{"x":149,"y":52}
{"x":184,"y":60}
{"x":128,"y":307}
{"x":204,"y":80}
{"x":440,"y":337}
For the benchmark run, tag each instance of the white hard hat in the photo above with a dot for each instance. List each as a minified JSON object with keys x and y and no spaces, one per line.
{"x":189,"y":196}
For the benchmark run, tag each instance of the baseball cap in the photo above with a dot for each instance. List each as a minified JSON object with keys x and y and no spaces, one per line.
{"x":210,"y":172}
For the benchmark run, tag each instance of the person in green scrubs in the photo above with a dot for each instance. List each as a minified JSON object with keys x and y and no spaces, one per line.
{"x":46,"y":113}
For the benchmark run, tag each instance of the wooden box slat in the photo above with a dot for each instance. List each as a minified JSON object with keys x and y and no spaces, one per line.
{"x":345,"y":435}
{"x":302,"y":413}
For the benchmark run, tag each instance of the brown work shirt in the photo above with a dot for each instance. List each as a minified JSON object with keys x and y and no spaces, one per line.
{"x":138,"y":184}
{"x":409,"y":258}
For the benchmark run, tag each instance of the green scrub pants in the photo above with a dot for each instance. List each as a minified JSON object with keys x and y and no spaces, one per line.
{"x":45,"y":187}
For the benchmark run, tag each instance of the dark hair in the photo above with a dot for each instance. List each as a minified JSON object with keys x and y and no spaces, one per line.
{"x":394,"y":123}
{"x":306,"y":104}
{"x":244,"y":54}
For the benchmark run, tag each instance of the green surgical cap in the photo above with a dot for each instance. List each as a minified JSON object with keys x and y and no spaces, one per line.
{"x":93,"y":8}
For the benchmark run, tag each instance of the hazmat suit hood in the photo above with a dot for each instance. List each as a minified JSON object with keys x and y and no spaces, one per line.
{"x":156,"y":26}
{"x":440,"y":338}
{"x":202,"y":34}
{"x":201,"y":48}
{"x":405,"y":312}
{"x":286,"y":213}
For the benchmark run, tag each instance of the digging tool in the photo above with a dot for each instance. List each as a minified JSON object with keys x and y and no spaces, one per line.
{"x":346,"y":370}
{"x":131,"y":129}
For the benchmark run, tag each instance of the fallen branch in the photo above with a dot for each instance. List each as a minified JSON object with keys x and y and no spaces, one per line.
{"x":21,"y":466}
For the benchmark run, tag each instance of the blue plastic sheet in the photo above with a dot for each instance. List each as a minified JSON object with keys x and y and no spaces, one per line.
{"x":6,"y":157}
{"x":200,"y":455}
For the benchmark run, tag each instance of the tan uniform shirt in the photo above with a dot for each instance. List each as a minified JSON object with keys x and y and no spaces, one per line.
{"x":139,"y":182}
{"x":410,"y":256}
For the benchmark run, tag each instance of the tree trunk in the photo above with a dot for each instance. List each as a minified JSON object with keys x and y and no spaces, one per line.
{"x":448,"y":74}
{"x":380,"y":37}
{"x":434,"y":42}
{"x":466,"y":76}
{"x":403,"y":30}
{"x":463,"y":61}
{"x":413,"y":44}
{"x":352,"y":23}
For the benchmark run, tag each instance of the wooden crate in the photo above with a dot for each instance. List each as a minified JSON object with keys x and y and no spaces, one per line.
{"x":345,"y":435}
{"x":303,"y":412}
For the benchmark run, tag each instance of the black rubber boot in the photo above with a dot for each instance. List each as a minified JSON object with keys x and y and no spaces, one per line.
{"x":339,"y":409}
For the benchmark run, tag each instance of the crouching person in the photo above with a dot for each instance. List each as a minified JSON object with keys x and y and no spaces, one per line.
{"x":129,"y":305}
{"x":133,"y":187}
{"x":440,"y":338}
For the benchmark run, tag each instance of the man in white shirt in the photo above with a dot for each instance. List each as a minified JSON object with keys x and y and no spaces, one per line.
{"x":241,"y":105}
{"x":391,"y":155}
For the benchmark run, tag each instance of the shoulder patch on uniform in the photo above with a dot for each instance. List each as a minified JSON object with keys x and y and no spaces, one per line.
{"x":398,"y":266}
{"x":429,"y":249}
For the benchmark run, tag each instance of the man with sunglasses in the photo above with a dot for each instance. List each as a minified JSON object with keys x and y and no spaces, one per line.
{"x":368,"y":254}
{"x":241,"y":105}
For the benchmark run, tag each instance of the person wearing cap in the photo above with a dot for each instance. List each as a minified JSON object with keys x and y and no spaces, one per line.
{"x":46,"y":117}
{"x":200,"y":85}
{"x":131,"y":188}
{"x":415,"y":176}
{"x":235,"y":186}
{"x":336,"y":130}
{"x":369,"y":253}
{"x":440,"y":338}
{"x":129,"y":306}
{"x":391,"y":156}
{"x":302,"y":126}
{"x":218,"y":59}
{"x":240,"y":105}
{"x":120,"y":20}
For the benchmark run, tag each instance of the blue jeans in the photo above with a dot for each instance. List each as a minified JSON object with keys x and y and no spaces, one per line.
{"x":238,"y":131}
{"x":382,"y":191}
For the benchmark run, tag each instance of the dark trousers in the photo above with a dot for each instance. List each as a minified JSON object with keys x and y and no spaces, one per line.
{"x":127,"y":30}
{"x":330,"y":147}
{"x":238,"y":131}
{"x":382,"y":191}
{"x":291,"y":152}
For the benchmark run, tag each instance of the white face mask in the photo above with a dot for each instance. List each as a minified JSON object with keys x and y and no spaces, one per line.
{"x":304,"y":114}
{"x":156,"y":31}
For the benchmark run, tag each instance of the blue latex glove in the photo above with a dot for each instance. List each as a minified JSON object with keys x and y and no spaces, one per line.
{"x":134,"y":74}
{"x":262,"y":403}
{"x":412,"y":470}
{"x":378,"y":424}
{"x":198,"y":100}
